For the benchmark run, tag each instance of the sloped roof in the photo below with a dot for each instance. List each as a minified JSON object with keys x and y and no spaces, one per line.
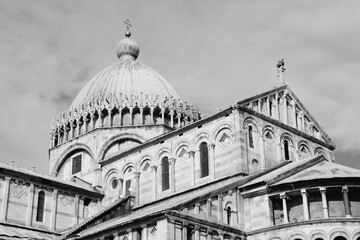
{"x":158,"y":207}
{"x":322,"y":170}
{"x":17,"y":172}
{"x":13,"y":232}
{"x":284,"y":171}
{"x":310,"y":169}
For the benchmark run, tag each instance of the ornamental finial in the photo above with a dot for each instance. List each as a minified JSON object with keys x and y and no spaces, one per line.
{"x":128,"y":26}
{"x":280,"y":70}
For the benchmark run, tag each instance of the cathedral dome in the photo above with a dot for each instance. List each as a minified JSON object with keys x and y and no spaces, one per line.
{"x":127,"y":78}
{"x":125,"y":94}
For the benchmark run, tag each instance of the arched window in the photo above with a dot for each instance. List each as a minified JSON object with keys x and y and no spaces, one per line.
{"x":204,"y":160}
{"x":228,"y":215}
{"x":286,"y":150}
{"x":128,"y":176}
{"x":304,"y":152}
{"x":255,"y":164}
{"x":40,"y":207}
{"x":251,"y":139}
{"x":165,"y":173}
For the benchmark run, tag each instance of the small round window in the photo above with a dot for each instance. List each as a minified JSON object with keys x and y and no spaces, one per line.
{"x":114,"y":183}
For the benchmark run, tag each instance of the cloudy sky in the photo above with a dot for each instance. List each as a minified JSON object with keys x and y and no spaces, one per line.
{"x":213,"y":53}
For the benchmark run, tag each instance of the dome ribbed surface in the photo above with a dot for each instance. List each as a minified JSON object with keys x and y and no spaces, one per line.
{"x":125,"y":78}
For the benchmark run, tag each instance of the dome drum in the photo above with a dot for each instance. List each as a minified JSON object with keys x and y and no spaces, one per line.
{"x":121,"y":113}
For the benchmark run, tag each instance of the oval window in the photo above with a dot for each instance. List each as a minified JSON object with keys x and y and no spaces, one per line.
{"x":114,"y":183}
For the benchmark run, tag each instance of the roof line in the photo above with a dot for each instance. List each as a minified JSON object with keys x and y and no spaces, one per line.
{"x":311,"y":162}
{"x":262,"y":94}
{"x":287,"y":127}
{"x":26,"y":175}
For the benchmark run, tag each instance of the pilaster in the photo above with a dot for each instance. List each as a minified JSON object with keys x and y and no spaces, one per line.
{"x":5,"y":201}
{"x":30,"y":204}
{"x":137,"y":187}
{"x":53,"y":209}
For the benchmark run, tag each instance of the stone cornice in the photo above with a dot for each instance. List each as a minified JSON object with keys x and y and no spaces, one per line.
{"x":287,"y":127}
{"x":48,"y":181}
{"x":192,"y":219}
{"x":166,"y":136}
{"x":301,"y":223}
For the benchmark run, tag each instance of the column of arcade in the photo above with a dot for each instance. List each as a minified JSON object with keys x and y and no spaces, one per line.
{"x":288,"y":198}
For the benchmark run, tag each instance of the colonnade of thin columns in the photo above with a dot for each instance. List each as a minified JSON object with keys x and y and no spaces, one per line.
{"x":276,"y":106}
{"x":73,"y":125}
{"x":322,"y":190}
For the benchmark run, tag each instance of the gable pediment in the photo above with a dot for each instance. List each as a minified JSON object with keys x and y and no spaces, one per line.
{"x":281,"y":104}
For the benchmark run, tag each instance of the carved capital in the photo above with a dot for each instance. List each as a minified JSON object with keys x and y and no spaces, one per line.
{"x":283,"y":196}
{"x":304,"y":192}
{"x":191,"y":153}
{"x":322,"y":189}
{"x":137,"y":174}
{"x":172,"y":161}
{"x":345,"y":189}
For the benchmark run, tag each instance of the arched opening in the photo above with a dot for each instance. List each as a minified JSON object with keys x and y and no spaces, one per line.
{"x":251,"y":139}
{"x":128,"y":176}
{"x":40,"y":207}
{"x":120,"y":145}
{"x":255,"y":164}
{"x":165,"y":173}
{"x":340,"y":238}
{"x":204,"y":160}
{"x":286,"y":150}
{"x":319,"y":239}
{"x":304,"y":152}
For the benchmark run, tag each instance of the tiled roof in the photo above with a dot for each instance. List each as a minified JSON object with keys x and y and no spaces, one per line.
{"x":322,"y":170}
{"x":6,"y":169}
{"x":271,"y":175}
{"x":13,"y":232}
{"x":162,"y":205}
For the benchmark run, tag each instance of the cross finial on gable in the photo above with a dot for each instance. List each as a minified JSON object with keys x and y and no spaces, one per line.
{"x":280,"y":70}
